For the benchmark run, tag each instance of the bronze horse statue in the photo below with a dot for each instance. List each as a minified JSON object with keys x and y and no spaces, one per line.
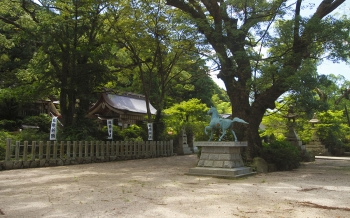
{"x":220,"y":123}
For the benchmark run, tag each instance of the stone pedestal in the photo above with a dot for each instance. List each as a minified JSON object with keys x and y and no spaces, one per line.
{"x":220,"y":159}
{"x":293,"y":138}
{"x":183,"y":146}
{"x":315,"y":146}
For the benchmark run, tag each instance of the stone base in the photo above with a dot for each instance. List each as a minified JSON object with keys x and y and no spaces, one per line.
{"x":316,"y":148}
{"x":187,"y":150}
{"x":221,"y":159}
{"x":221,"y":172}
{"x":194,"y":149}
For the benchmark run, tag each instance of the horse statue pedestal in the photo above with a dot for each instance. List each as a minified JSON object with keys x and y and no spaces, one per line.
{"x":221,"y":159}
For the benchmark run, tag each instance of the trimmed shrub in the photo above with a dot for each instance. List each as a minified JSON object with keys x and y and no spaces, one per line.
{"x":307,"y":156}
{"x":9,"y":125}
{"x":133,"y":133}
{"x":43,"y":121}
{"x":284,"y":155}
{"x":32,"y":135}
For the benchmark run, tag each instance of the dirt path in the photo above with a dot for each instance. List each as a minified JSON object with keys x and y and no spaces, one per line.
{"x":159,"y":188}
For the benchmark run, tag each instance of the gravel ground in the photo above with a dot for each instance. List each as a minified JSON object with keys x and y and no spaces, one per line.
{"x":159,"y":188}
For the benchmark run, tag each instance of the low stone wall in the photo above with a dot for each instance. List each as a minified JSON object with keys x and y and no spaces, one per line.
{"x":22,"y":155}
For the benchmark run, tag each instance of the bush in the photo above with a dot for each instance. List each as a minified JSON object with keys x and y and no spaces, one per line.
{"x":133,"y":132}
{"x":9,"y":125}
{"x":282,"y":154}
{"x":32,"y":135}
{"x":117,"y":133}
{"x":43,"y":121}
{"x":333,"y":132}
{"x":307,"y":156}
{"x":84,"y":130}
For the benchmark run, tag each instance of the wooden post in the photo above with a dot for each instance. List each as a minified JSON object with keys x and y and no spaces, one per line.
{"x":55,"y":150}
{"x":68,"y":150}
{"x":8,"y":149}
{"x":25,"y":151}
{"x":86,"y":149}
{"x":171,"y":147}
{"x":126,"y":149}
{"x":62,"y":150}
{"x":102,"y":148}
{"x":80,"y":149}
{"x":48,"y":145}
{"x":107,"y":148}
{"x":152,"y":147}
{"x":122,"y":153}
{"x":117,"y":147}
{"x":41,"y":148}
{"x":17,"y":150}
{"x":158,"y":148}
{"x":74,"y":149}
{"x":113,"y":148}
{"x":91,"y":149}
{"x":143,"y":148}
{"x":33,"y":150}
{"x":97,"y":149}
{"x":136,"y":150}
{"x":166,"y":146}
{"x":139,"y":149}
{"x":147,"y":146}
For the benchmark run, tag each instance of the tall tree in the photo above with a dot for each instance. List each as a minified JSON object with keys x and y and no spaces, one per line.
{"x":239,"y":30}
{"x":70,"y":50}
{"x":161,"y":50}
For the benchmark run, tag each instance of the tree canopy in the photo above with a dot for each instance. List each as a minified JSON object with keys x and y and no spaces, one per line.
{"x":266,"y":48}
{"x":72,"y":49}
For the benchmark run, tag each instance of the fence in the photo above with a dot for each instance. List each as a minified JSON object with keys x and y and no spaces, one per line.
{"x":53,"y":153}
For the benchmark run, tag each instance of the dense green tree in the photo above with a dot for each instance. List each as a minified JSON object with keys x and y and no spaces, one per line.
{"x":190,"y":115}
{"x":162,"y":57}
{"x":239,"y":33}
{"x":70,"y":51}
{"x":17,"y":48}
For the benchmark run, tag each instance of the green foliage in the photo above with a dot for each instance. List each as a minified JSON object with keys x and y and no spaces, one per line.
{"x":43,"y":121}
{"x":190,"y":113}
{"x":223,"y":107}
{"x":134,"y":132}
{"x":32,"y":135}
{"x":86,"y":130}
{"x":306,"y":156}
{"x":282,"y":154}
{"x":275,"y":124}
{"x":9,"y":125}
{"x":117,"y":133}
{"x":333,"y":131}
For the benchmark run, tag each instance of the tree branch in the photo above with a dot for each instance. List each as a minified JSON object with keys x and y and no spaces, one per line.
{"x":326,"y":7}
{"x":344,"y":95}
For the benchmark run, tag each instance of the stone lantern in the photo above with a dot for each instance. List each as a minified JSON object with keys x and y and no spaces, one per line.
{"x":183,"y":146}
{"x":315,"y":146}
{"x":292,"y":136}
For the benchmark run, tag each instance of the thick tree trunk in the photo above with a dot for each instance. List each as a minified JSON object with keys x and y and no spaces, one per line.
{"x":242,"y":109}
{"x":67,"y":105}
